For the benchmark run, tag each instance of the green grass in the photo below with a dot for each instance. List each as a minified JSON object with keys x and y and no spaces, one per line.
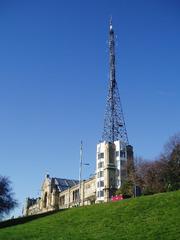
{"x":151,"y":217}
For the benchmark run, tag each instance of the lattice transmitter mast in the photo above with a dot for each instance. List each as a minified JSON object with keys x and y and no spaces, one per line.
{"x":114,"y":124}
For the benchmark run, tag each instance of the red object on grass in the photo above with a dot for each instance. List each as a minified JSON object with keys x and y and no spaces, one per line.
{"x":117,"y":198}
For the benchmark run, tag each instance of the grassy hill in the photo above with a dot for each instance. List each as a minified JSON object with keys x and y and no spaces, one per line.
{"x":151,"y":217}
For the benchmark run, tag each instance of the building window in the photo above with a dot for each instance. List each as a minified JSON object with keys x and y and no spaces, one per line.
{"x":100,"y":193}
{"x":100,"y":174}
{"x":100,"y":164}
{"x":76,"y":195}
{"x":100,"y":184}
{"x":100,"y":155}
{"x":62,"y":200}
{"x":45,"y":200}
{"x":122,"y":154}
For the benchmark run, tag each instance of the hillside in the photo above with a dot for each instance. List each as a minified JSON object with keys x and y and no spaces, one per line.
{"x":149,"y":217}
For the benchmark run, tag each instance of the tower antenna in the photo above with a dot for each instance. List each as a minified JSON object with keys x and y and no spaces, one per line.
{"x":114,"y":124}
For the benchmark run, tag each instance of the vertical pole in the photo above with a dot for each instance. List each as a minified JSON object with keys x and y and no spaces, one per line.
{"x":80,"y":170}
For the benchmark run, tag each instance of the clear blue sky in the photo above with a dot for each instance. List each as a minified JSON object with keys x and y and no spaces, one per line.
{"x":54,"y":76}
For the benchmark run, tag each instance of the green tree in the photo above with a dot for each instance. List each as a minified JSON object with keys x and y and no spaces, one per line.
{"x":7,"y":201}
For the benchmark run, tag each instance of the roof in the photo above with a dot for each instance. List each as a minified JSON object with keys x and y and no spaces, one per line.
{"x":63,"y":184}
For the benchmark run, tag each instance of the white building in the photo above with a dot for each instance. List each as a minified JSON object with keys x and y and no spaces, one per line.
{"x":111,"y":168}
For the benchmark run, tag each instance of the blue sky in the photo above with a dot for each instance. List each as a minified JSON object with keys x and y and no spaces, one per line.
{"x":54,"y":77}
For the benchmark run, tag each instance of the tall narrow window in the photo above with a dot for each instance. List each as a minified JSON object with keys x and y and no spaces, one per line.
{"x":45,"y":200}
{"x":122,"y":153}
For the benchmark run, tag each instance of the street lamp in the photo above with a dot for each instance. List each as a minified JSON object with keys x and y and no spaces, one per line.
{"x":80,"y":170}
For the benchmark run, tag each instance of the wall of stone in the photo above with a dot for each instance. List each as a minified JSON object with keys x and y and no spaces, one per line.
{"x":51,"y":199}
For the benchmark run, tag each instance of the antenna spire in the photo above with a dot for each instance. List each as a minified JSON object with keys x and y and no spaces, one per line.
{"x":114,"y":124}
{"x":110,"y":23}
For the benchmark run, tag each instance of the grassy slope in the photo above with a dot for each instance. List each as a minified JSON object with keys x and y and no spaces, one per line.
{"x":152,"y":217}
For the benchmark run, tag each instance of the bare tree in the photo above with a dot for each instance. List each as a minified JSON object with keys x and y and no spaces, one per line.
{"x":170,"y":160}
{"x":173,"y":143}
{"x":164,"y":173}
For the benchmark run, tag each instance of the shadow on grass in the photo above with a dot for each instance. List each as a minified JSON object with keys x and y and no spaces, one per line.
{"x":22,"y":220}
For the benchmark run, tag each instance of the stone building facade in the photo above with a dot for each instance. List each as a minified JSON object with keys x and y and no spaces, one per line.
{"x":111,"y":171}
{"x":58,"y":193}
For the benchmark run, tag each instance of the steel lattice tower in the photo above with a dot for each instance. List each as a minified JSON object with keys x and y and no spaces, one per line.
{"x":114,"y":124}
